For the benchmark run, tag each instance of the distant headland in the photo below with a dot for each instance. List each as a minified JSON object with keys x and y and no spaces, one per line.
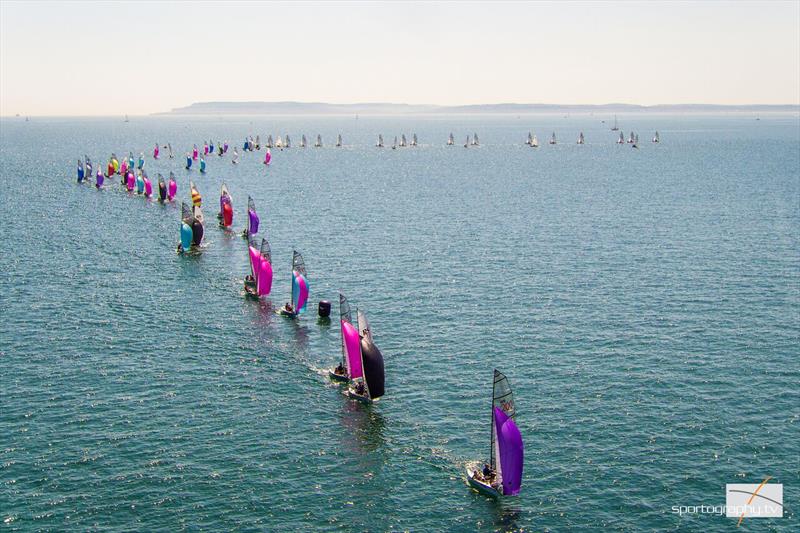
{"x":321,"y":108}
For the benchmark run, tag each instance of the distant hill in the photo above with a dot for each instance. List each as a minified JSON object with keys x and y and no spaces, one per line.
{"x":321,"y":108}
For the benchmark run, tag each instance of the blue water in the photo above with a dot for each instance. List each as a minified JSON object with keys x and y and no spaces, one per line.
{"x":645,"y":305}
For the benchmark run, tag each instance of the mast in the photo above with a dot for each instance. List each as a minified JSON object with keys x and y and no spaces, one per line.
{"x":503,"y":399}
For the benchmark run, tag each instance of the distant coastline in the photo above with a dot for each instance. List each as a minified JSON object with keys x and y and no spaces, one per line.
{"x":321,"y":108}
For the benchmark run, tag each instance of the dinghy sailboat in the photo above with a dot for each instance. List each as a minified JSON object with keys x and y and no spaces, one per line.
{"x":225,"y":214}
{"x":288,"y":142}
{"x":475,"y":141}
{"x":502,"y":475}
{"x":466,"y":143}
{"x":252,"y":219}
{"x":656,"y":138}
{"x":530,"y":139}
{"x":339,"y":141}
{"x":413,"y":139}
{"x":450,"y":140}
{"x":402,"y":140}
{"x":349,"y":333}
{"x":303,"y":141}
{"x":580,"y":138}
{"x":259,"y":282}
{"x":372,"y":386}
{"x":299,"y":288}
{"x":553,"y":138}
{"x":269,"y":144}
{"x":535,"y":142}
{"x":621,"y":139}
{"x":379,"y":144}
{"x":191,"y":227}
{"x":318,"y":143}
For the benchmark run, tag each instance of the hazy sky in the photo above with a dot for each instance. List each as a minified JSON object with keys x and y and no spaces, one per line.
{"x":93,"y":58}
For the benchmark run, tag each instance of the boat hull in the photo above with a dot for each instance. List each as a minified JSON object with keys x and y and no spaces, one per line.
{"x":481,"y":486}
{"x":358,"y":397}
{"x":337,"y":377}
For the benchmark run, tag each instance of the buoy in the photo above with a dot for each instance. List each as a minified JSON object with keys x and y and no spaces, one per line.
{"x":324,"y":308}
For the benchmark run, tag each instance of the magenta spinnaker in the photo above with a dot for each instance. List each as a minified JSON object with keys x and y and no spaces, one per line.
{"x":148,"y":187}
{"x":509,"y":443}
{"x":255,"y":261}
{"x":173,"y":189}
{"x":264,"y":278}
{"x":352,"y":343}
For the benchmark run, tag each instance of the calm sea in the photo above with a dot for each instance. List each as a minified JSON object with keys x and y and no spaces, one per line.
{"x":645,"y":305}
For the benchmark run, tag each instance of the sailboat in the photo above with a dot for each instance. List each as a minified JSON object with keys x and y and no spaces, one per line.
{"x":339,"y":141}
{"x":616,"y":127}
{"x":466,"y":143}
{"x":299,"y":288}
{"x":379,"y":144}
{"x":503,"y":474}
{"x":414,"y":139}
{"x":621,"y":139}
{"x":403,"y":140}
{"x":259,"y":282}
{"x":252,"y":219}
{"x":235,"y":159}
{"x":279,"y":142}
{"x":288,"y":142}
{"x":656,"y":138}
{"x":450,"y":140}
{"x":162,"y":189}
{"x":553,"y":138}
{"x":394,"y":144}
{"x":535,"y":142}
{"x":345,"y":369}
{"x":126,"y":118}
{"x":475,"y":140}
{"x":197,"y":199}
{"x":318,"y":143}
{"x":269,"y":144}
{"x":169,"y":147}
{"x":225,"y":214}
{"x":580,"y":138}
{"x":172,"y":187}
{"x":191,"y":227}
{"x":372,"y":386}
{"x":303,"y":141}
{"x":529,"y":140}
{"x":630,"y":138}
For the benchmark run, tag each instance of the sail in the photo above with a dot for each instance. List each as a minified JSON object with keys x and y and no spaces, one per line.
{"x":298,"y":265}
{"x":403,"y":139}
{"x":264,"y":281}
{"x":255,"y":258}
{"x":319,"y":140}
{"x":339,"y":140}
{"x":371,"y":360}
{"x":503,"y":399}
{"x":414,"y":140}
{"x":535,"y":142}
{"x":196,"y":198}
{"x":530,"y":138}
{"x":288,"y":142}
{"x":269,"y":141}
{"x":252,"y":216}
{"x":510,"y":450}
{"x":345,"y":316}
{"x":186,"y":213}
{"x":475,"y":139}
{"x":299,"y":283}
{"x":380,"y":139}
{"x":450,"y":139}
{"x":224,"y":196}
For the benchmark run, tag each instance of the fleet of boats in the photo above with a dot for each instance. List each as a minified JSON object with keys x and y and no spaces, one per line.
{"x":360,"y":371}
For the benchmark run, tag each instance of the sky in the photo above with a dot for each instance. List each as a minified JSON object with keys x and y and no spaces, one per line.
{"x":110,"y":58}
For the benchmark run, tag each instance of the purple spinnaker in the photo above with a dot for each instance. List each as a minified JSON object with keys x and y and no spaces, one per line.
{"x":509,"y":444}
{"x":253,"y":222}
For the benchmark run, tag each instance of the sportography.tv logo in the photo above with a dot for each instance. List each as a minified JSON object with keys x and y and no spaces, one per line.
{"x":754,"y":500}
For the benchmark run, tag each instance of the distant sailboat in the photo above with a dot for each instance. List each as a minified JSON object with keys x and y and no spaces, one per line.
{"x":580,"y":138}
{"x":318,"y":143}
{"x":529,"y":140}
{"x":279,"y":142}
{"x":126,"y":118}
{"x":269,"y":144}
{"x":252,"y":219}
{"x":403,"y":140}
{"x":553,"y":138}
{"x":475,"y":141}
{"x":379,"y":144}
{"x":288,"y":142}
{"x":466,"y":143}
{"x":630,"y":138}
{"x":394,"y":144}
{"x":656,"y":138}
{"x":414,"y":139}
{"x":621,"y":139}
{"x":339,"y":141}
{"x":259,"y":282}
{"x":535,"y":142}
{"x":616,"y":127}
{"x":303,"y":141}
{"x":503,"y":477}
{"x":225,"y":214}
{"x":450,"y":140}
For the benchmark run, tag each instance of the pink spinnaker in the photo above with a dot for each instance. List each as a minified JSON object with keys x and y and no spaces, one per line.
{"x":352,"y":345}
{"x":264,"y":284}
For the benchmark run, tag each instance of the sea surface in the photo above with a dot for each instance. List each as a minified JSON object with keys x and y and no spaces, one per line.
{"x":644,"y":304}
